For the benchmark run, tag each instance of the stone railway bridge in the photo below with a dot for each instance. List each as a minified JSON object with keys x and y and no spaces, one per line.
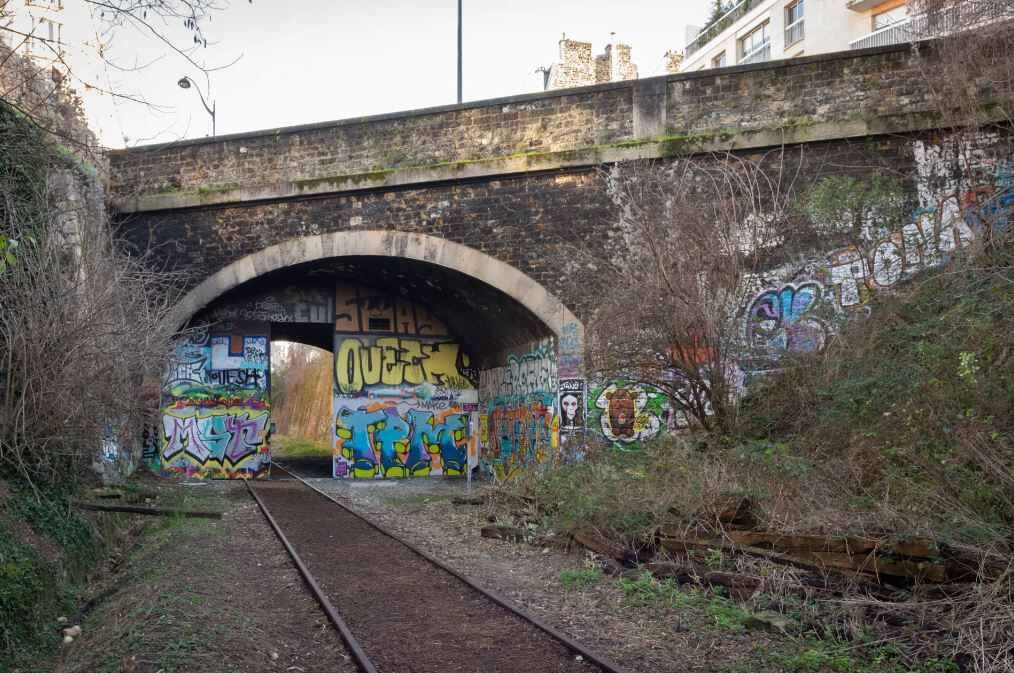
{"x":428,"y":250}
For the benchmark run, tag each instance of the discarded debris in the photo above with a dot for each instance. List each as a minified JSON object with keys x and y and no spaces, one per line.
{"x":153,"y":511}
{"x":508,"y":533}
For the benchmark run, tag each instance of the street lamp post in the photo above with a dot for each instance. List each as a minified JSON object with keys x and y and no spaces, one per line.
{"x":459,"y":51}
{"x":185,"y":83}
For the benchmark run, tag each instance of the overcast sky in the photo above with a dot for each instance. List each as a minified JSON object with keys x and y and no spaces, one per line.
{"x":315,"y":60}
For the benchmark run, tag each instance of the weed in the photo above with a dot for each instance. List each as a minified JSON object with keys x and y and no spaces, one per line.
{"x":726,"y":614}
{"x":580,"y":578}
{"x":649,"y":592}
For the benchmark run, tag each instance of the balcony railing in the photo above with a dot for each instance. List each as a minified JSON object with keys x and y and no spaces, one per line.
{"x":896,"y":33}
{"x":758,"y":54}
{"x":966,"y":15}
{"x":712,"y":31}
{"x":794,"y":32}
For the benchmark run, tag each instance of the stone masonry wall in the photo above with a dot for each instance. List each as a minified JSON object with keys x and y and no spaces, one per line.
{"x":851,"y":94}
{"x":527,"y":221}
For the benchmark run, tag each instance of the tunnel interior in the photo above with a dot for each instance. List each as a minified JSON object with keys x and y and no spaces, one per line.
{"x":301,"y":304}
{"x":410,"y":341}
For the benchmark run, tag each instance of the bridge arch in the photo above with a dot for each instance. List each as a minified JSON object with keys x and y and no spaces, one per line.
{"x":378,"y":243}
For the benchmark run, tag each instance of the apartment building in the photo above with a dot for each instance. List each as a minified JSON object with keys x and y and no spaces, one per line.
{"x":33,"y":28}
{"x":754,"y":31}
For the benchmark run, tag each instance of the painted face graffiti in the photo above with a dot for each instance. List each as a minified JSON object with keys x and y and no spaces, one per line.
{"x":572,"y":395}
{"x":630,"y":412}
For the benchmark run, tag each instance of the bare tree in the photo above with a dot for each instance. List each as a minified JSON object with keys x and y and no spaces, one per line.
{"x":82,"y":324}
{"x":177,"y":26}
{"x":694,"y":234}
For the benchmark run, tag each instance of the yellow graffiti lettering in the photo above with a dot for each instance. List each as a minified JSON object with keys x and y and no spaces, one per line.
{"x":411,"y":356}
{"x":348,"y":374}
{"x":441,"y":363}
{"x":393,"y":361}
{"x":372,"y":360}
{"x":393,"y":364}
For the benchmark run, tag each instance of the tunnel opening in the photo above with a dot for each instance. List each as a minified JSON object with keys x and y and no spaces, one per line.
{"x":301,"y":400}
{"x":409,"y":343}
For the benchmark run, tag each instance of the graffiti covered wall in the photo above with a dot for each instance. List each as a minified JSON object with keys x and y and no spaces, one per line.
{"x":962,"y":191}
{"x":405,"y":393}
{"x":215,"y":405}
{"x":520,"y":426}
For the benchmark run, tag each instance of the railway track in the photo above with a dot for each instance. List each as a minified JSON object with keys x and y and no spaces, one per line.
{"x":398,"y":609}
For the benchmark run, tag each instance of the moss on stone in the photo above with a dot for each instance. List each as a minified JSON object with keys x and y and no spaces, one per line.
{"x":338,"y":182}
{"x":204,"y":190}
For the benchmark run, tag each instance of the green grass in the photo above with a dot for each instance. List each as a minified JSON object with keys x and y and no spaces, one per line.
{"x":818,"y":656}
{"x":299,"y":447}
{"x":580,"y":578}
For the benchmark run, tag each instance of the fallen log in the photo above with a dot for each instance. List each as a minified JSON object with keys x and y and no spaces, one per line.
{"x":151,"y":511}
{"x":867,"y":566}
{"x":598,"y":544}
{"x":912,"y":547}
{"x":507,"y":533}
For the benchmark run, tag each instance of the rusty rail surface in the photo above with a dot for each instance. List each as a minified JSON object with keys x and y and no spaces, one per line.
{"x":362,"y":661}
{"x":575,"y":647}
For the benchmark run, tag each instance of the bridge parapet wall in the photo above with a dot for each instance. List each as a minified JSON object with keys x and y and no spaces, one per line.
{"x":850,"y":94}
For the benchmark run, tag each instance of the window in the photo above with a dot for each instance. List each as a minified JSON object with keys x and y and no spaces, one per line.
{"x":718,"y":61}
{"x":755,"y":46}
{"x":45,"y":4}
{"x":50,"y":30}
{"x":794,"y":23}
{"x":890,"y":17}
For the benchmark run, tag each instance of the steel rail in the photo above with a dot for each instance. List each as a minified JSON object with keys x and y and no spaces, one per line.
{"x":358,"y":654}
{"x":571,"y":644}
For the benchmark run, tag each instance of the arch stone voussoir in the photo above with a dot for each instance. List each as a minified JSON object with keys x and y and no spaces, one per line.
{"x":420,"y":247}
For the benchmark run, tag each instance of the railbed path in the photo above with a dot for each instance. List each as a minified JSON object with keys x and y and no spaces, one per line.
{"x":409,"y":615}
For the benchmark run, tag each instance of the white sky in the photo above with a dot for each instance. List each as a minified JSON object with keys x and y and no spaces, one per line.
{"x":315,"y":60}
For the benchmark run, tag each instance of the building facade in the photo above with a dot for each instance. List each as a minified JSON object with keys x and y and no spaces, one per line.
{"x":578,"y":67}
{"x":754,"y":31}
{"x":34,"y":28}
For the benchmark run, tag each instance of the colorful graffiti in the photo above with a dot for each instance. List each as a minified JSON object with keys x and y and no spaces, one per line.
{"x":381,"y":439}
{"x":627,"y":412}
{"x":794,"y":318}
{"x":215,"y":412}
{"x":403,"y":406}
{"x":798,"y":308}
{"x":215,"y":441}
{"x":362,"y":362}
{"x":520,"y":402}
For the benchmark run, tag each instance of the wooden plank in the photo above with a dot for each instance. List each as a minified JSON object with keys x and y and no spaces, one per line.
{"x":878,"y":565}
{"x":151,"y":511}
{"x":912,"y":547}
{"x":598,"y":544}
